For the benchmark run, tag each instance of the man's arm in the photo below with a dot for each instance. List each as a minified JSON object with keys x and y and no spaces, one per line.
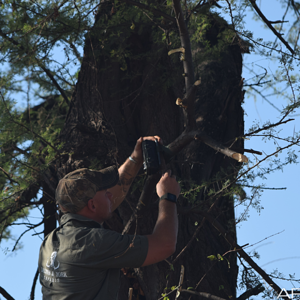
{"x":162,"y":242}
{"x":128,"y":171}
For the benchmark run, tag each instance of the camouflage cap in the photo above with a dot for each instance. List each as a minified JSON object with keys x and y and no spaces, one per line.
{"x":78,"y":187}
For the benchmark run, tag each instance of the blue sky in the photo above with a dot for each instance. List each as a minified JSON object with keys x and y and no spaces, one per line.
{"x":276,"y":224}
{"x":280,"y":207}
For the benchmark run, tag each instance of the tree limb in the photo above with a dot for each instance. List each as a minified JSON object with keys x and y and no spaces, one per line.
{"x":189,"y":242}
{"x":241,"y":252}
{"x":187,"y":136}
{"x":268,"y":127}
{"x":186,"y":44}
{"x":202,"y":294}
{"x":9,"y":177}
{"x":75,"y":51}
{"x":19,"y":203}
{"x":250,"y":151}
{"x":36,"y":276}
{"x":5,"y":294}
{"x":176,"y":146}
{"x":220,"y":148}
{"x":29,"y":228}
{"x":188,"y":67}
{"x":251,"y":292}
{"x":271,"y":27}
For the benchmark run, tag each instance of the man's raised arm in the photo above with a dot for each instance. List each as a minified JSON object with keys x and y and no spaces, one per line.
{"x":127,"y":172}
{"x":162,"y":242}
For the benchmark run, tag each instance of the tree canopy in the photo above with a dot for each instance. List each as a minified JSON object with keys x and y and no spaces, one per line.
{"x":137,"y":58}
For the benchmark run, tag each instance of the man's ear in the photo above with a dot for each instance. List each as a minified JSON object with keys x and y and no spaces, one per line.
{"x":91,"y":205}
{"x":62,"y":209}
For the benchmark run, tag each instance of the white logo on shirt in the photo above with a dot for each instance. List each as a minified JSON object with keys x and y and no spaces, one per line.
{"x":51,"y":262}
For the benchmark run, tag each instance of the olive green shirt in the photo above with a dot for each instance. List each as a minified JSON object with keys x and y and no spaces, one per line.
{"x":82,"y":260}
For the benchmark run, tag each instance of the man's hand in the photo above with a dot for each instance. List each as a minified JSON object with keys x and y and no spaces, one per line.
{"x":137,"y":153}
{"x":168,"y":184}
{"x":128,"y":171}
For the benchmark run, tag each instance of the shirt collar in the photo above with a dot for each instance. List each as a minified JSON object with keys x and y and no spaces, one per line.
{"x":87,"y":221}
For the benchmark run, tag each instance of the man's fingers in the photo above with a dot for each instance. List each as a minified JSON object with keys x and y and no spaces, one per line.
{"x":168,"y":173}
{"x":158,"y":139}
{"x":168,"y":184}
{"x":139,"y":142}
{"x":152,"y":138}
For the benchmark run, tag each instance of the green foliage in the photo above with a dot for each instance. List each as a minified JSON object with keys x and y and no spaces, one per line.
{"x":28,"y":145}
{"x":30,"y":34}
{"x":212,"y":257}
{"x":213,"y":35}
{"x":219,"y":258}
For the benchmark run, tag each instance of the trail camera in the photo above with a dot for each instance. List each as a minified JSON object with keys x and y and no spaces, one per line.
{"x":151,"y":156}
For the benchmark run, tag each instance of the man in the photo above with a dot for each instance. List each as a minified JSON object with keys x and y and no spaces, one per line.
{"x":82,"y":260}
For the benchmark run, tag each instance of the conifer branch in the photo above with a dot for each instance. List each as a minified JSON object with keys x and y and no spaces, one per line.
{"x":39,"y":63}
{"x":49,"y":74}
{"x":18,"y":204}
{"x":9,"y":177}
{"x":153,"y":10}
{"x":75,"y":51}
{"x":26,"y":128}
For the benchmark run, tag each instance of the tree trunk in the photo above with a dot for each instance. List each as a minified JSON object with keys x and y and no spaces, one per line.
{"x":121,"y":96}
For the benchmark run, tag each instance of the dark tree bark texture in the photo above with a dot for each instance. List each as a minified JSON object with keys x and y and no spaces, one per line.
{"x":114,"y":105}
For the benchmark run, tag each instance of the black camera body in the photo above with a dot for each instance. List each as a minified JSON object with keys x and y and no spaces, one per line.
{"x":151,"y":156}
{"x":152,"y":152}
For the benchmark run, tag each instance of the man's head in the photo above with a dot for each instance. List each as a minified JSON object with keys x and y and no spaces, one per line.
{"x":78,"y":187}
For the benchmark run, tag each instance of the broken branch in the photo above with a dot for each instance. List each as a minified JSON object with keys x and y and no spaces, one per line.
{"x":187,"y":136}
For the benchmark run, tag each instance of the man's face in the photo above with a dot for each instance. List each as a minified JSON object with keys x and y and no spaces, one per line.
{"x":103,"y":205}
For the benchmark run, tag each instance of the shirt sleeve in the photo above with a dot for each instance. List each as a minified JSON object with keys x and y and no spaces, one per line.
{"x":110,"y":249}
